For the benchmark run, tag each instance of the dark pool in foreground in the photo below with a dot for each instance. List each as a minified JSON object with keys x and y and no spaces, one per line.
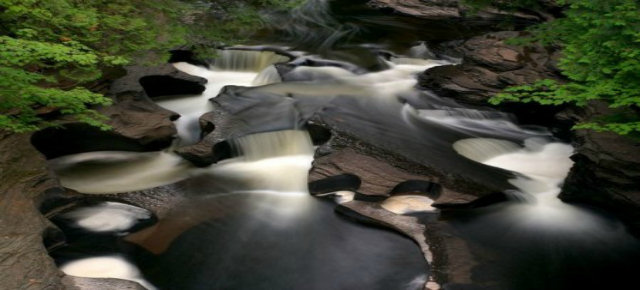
{"x":266,"y":241}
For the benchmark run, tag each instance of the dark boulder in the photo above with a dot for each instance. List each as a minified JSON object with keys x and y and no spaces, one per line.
{"x":137,"y":125}
{"x":164,"y":85}
{"x":489,"y":65}
{"x":456,"y":10}
{"x":163,"y":80}
{"x":186,"y":55}
{"x":606,"y":172}
{"x":377,"y":177}
{"x":217,"y":127}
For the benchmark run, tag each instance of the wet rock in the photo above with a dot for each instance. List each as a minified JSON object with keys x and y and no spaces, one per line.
{"x":606,"y":172}
{"x":438,"y":9}
{"x":284,"y":69}
{"x":24,"y":263}
{"x":186,"y":55}
{"x":138,"y":118}
{"x":332,"y":183}
{"x":488,"y":66}
{"x":164,"y":85}
{"x":452,"y":262}
{"x":410,"y":226}
{"x":385,"y":165}
{"x":377,"y":177}
{"x":319,"y":135}
{"x":456,"y":10}
{"x":137,"y":125}
{"x":157,"y":81}
{"x":217,"y":126}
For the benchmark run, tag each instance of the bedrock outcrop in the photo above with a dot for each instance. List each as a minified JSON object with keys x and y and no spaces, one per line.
{"x":24,"y":261}
{"x":606,"y":172}
{"x":156,"y":81}
{"x":489,"y":65}
{"x":138,"y":124}
{"x":456,"y":10}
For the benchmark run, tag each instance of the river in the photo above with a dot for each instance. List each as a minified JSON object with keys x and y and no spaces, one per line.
{"x":251,"y":222}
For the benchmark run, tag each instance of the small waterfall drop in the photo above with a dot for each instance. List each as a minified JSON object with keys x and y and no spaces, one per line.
{"x":231,"y":67}
{"x":276,"y":162}
{"x":246,"y":60}
{"x":267,"y":76}
{"x":542,"y":166}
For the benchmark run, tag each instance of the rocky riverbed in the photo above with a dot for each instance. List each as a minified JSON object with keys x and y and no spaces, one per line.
{"x":376,"y":180}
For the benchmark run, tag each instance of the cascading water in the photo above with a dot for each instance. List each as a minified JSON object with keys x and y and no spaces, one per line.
{"x":233,"y":67}
{"x":248,"y":222}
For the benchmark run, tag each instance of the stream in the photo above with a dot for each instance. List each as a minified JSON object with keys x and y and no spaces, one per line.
{"x":249,"y":222}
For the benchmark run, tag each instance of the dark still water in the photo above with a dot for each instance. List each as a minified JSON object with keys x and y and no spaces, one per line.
{"x":262,"y":241}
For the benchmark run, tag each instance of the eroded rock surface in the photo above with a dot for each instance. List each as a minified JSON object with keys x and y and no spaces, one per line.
{"x":216,"y":127}
{"x":606,"y":172}
{"x":488,"y":66}
{"x":456,"y":10}
{"x":163,"y":80}
{"x":24,"y":263}
{"x":137,"y":125}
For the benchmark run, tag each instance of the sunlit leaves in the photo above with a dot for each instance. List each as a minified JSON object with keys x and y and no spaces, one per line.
{"x":601,"y":48}
{"x":51,"y":49}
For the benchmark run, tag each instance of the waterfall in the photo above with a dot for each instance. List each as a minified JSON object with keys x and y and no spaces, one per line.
{"x":275,"y":162}
{"x":542,"y":167}
{"x":246,"y":60}
{"x":273,"y":144}
{"x":267,"y":76}
{"x":231,"y":67}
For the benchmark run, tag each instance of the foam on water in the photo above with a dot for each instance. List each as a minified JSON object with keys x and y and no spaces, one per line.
{"x":108,"y":217}
{"x":275,"y":161}
{"x":106,"y":267}
{"x":191,"y":108}
{"x":542,"y":166}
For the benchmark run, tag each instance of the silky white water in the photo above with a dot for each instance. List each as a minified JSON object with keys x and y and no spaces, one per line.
{"x":231,"y":68}
{"x":116,"y":172}
{"x":106,"y":267}
{"x":542,"y":166}
{"x":107,"y":217}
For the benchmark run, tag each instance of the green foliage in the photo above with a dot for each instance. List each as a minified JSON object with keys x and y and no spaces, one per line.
{"x":52,"y":50}
{"x":601,"y":48}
